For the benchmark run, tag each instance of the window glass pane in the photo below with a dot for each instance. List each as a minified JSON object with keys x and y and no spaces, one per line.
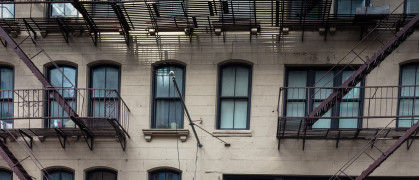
{"x":108,"y":175}
{"x":354,"y":93}
{"x":348,"y":109}
{"x":349,"y":6}
{"x":240,"y":114}
{"x":297,"y":79}
{"x":67,"y":176}
{"x":7,"y":10}
{"x":98,"y":81}
{"x":242,"y":81}
{"x":228,"y":81}
{"x":95,"y":175}
{"x":63,"y":10}
{"x":171,"y":8}
{"x":412,"y":6}
{"x":243,"y":10}
{"x":407,"y":108}
{"x":323,"y":79}
{"x":6,"y":83}
{"x":295,"y":109}
{"x":4,"y":175}
{"x":112,"y":78}
{"x":227,"y":114}
{"x":55,"y":110}
{"x":169,"y":114}
{"x":323,"y":123}
{"x":408,"y":79}
{"x":164,"y":83}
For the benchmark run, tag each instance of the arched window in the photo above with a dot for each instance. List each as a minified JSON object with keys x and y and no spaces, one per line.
{"x":60,"y":174}
{"x":234,"y":92}
{"x":167,"y":107}
{"x":62,"y":83}
{"x":105,"y":81}
{"x":164,"y":174}
{"x":6,"y":97}
{"x":101,"y":174}
{"x":408,"y":101}
{"x":6,"y":174}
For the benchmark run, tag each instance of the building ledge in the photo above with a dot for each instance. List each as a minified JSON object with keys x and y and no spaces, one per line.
{"x":181,"y":133}
{"x":232,"y":133}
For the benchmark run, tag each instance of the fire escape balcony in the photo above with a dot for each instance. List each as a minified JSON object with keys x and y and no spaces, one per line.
{"x":359,"y":115}
{"x":29,"y":113}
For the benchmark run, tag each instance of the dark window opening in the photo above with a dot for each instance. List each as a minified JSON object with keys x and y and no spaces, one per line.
{"x":59,"y":174}
{"x":104,"y":98}
{"x":164,"y":175}
{"x":301,"y":95}
{"x":63,"y":83}
{"x":101,"y":174}
{"x":167,"y":107}
{"x":234,"y":96}
{"x":7,"y":10}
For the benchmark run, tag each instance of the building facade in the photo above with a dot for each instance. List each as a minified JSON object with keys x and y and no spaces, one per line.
{"x":250,"y":73}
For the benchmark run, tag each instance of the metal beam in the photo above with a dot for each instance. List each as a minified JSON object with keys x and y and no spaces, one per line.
{"x":13,"y":163}
{"x":91,"y":24}
{"x":122,"y":21}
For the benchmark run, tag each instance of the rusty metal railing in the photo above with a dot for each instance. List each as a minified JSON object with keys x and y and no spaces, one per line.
{"x":362,"y":107}
{"x":36,"y":108}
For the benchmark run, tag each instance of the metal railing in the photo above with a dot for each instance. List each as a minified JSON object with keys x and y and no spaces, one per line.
{"x":30,"y":108}
{"x":362,"y":107}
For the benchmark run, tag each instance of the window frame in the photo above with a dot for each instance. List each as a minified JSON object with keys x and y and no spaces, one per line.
{"x":53,"y":170}
{"x":90,"y":85}
{"x":47,"y":110}
{"x":334,"y":124}
{"x":336,"y":7}
{"x":154,"y":88}
{"x":14,"y":9}
{"x":9,"y":100}
{"x":151,"y":173}
{"x":101,"y":170}
{"x":219,"y":90}
{"x":7,"y":171}
{"x":416,"y":65}
{"x":405,"y":8}
{"x":50,"y":8}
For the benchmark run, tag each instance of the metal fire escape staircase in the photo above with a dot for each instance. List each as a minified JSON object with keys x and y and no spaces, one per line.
{"x":356,"y":78}
{"x":86,"y":132}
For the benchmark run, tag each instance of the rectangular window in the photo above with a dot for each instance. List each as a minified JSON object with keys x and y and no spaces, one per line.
{"x":63,"y":10}
{"x":104,"y":94}
{"x":412,"y":6}
{"x":234,"y":96}
{"x":60,"y":81}
{"x":301,"y":100}
{"x":348,"y":7}
{"x":409,"y":93}
{"x":238,"y":10}
{"x":167,"y":107}
{"x":172,"y":8}
{"x":6,"y":97}
{"x":7,"y":10}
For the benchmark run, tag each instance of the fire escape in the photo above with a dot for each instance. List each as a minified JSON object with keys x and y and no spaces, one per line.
{"x":380,"y":102}
{"x":108,"y":117}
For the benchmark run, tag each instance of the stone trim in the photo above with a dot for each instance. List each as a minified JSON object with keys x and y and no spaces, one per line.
{"x":181,"y":133}
{"x":233,"y":133}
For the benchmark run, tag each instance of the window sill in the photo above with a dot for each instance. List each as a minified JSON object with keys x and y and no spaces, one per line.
{"x":150,"y":133}
{"x":233,"y":133}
